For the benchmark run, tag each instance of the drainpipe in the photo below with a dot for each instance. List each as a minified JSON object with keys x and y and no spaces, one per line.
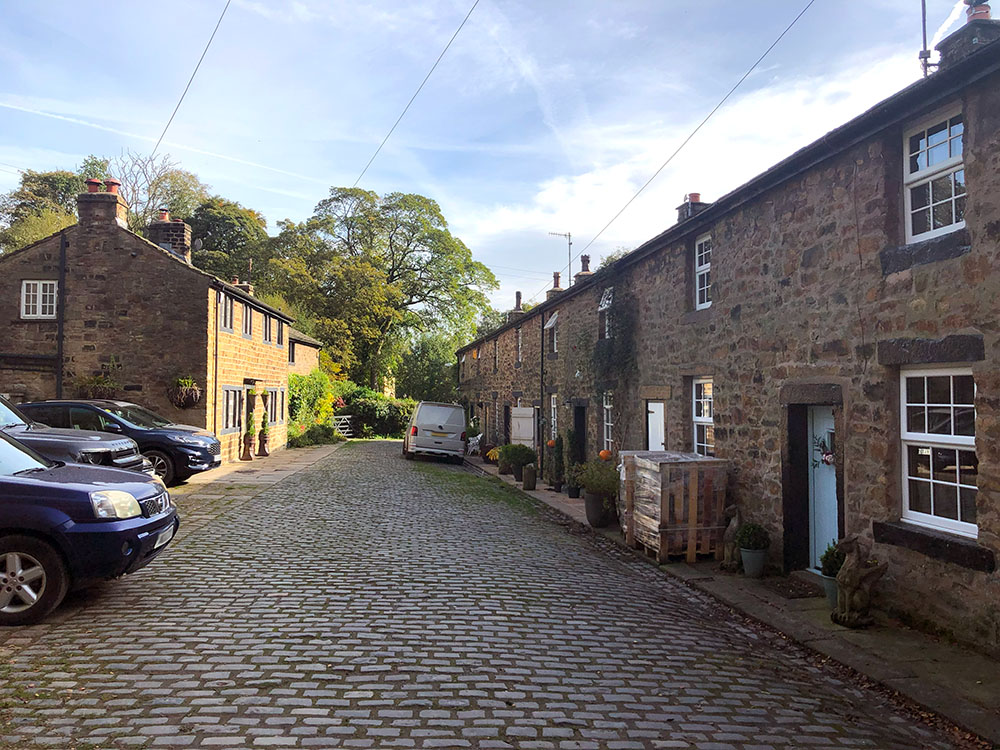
{"x":61,"y":315}
{"x":215,"y":371}
{"x":541,"y":397}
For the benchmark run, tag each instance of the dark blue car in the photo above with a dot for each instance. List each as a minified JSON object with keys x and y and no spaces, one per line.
{"x":176,"y":450}
{"x":65,"y":525}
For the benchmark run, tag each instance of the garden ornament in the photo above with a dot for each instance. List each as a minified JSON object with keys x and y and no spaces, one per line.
{"x":730,"y":553}
{"x":854,"y":584}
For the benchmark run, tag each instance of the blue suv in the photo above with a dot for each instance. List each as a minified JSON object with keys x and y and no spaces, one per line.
{"x":176,"y":450}
{"x":66,"y":525}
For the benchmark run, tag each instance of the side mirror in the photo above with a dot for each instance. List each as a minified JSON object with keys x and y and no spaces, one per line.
{"x":112,"y":427}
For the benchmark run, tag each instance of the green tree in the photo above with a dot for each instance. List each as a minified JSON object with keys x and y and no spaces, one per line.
{"x":427,"y":372}
{"x":489,"y":320}
{"x":150,"y":183}
{"x":33,"y":227}
{"x":232,"y":236}
{"x":617,"y":254}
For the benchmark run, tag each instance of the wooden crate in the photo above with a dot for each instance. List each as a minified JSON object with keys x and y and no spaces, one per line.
{"x":674,"y":503}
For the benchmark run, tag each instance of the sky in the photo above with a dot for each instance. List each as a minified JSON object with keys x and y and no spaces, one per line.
{"x":543,"y":116}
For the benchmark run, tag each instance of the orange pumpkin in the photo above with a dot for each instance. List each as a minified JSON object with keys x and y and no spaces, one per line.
{"x":551,"y":443}
{"x":605,"y":454}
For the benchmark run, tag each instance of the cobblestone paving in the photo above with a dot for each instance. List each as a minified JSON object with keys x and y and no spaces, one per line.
{"x":370,"y":602}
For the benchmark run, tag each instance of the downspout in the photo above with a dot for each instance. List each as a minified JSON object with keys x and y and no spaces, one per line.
{"x":541,"y":397}
{"x":215,"y":370}
{"x":61,"y":315}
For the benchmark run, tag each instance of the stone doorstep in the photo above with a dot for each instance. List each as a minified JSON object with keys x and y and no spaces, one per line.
{"x":950,"y":681}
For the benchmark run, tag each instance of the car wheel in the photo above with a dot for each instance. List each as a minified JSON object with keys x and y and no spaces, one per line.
{"x":33,"y":580}
{"x":163,"y":465}
{"x":407,"y":455}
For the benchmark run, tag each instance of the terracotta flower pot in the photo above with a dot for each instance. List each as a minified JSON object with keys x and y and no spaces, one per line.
{"x":264,"y":443}
{"x":248,"y":445}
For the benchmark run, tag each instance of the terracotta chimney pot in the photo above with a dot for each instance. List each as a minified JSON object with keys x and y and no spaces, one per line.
{"x":693,"y":198}
{"x":111,"y":185}
{"x":164,"y":215}
{"x":94,"y":185}
{"x":978,"y":12}
{"x":555,"y":279}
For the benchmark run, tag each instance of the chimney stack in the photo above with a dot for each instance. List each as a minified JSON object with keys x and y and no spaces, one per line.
{"x":517,"y":312}
{"x":172,"y":235}
{"x":979,"y":30}
{"x":691,"y":206}
{"x":99,"y":209}
{"x":517,"y":302}
{"x":584,"y":269}
{"x":556,"y":290}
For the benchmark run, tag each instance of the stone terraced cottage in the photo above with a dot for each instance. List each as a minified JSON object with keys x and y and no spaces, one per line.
{"x":96,"y":299}
{"x":831,"y":328}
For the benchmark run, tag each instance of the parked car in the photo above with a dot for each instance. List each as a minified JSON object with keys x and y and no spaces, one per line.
{"x":64,"y":526}
{"x":436,"y":429}
{"x":73,"y":446}
{"x":176,"y":450}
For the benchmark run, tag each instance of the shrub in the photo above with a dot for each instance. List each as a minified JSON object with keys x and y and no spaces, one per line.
{"x":516,"y":454}
{"x":379,"y":415}
{"x":831,"y":560}
{"x":310,"y":397}
{"x":574,"y":474}
{"x":301,"y":435}
{"x":554,"y":467}
{"x":752,"y":536}
{"x":599,"y":478}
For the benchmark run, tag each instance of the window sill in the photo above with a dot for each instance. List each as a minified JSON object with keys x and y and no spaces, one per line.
{"x":552,"y":355}
{"x":703,"y":315}
{"x":938,"y":545}
{"x":517,"y":365}
{"x":947,"y":246}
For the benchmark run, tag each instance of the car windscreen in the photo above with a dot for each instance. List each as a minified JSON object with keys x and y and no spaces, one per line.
{"x":139,"y":417}
{"x":17,"y":459}
{"x":441,"y":415}
{"x":9,"y":415}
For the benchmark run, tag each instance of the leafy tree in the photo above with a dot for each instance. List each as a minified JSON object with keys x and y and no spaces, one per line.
{"x":150,"y":183}
{"x":617,"y":254}
{"x":489,"y":320}
{"x":34,"y":227}
{"x":232,"y":236}
{"x":427,"y":372}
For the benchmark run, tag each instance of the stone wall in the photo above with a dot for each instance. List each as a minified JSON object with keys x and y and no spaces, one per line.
{"x":811,"y":279}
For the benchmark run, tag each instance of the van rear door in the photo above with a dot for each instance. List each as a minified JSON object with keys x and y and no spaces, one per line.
{"x":440,"y":427}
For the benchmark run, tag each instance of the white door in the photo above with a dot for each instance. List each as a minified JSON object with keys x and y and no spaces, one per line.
{"x":522,"y":425}
{"x":823,"y":527}
{"x":655,"y":438}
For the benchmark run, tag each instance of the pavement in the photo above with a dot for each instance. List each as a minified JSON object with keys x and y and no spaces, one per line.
{"x":945,"y":678}
{"x":364,"y":601}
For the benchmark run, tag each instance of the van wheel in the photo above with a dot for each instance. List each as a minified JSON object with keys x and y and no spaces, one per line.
{"x":33,"y":580}
{"x":407,"y":455}
{"x":163,"y":466}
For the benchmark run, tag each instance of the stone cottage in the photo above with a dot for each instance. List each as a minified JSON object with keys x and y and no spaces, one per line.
{"x":303,"y":352}
{"x":96,"y":302}
{"x":829,"y":328}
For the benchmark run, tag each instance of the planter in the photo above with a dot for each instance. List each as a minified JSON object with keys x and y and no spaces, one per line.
{"x":830,"y":588}
{"x":504,"y":468}
{"x":556,"y":486}
{"x":528,"y":472}
{"x":753,"y":562}
{"x":572,"y":491}
{"x":518,"y":472}
{"x":598,"y":514}
{"x":185,"y":398}
{"x":248,"y":444}
{"x":264,"y":444}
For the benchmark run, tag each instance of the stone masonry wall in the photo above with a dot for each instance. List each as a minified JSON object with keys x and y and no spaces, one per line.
{"x":807,"y":281}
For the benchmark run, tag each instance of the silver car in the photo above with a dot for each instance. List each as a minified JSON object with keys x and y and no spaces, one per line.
{"x":436,"y":429}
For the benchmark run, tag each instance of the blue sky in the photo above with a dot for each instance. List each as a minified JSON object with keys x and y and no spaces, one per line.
{"x":543,"y":116}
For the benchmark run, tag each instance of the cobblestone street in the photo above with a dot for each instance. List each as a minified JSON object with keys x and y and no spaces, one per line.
{"x":367,"y":601}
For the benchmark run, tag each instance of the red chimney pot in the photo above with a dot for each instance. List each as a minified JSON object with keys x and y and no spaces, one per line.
{"x":111,"y":185}
{"x":164,"y":215}
{"x":93,"y":185}
{"x":555,"y":279}
{"x":693,"y":198}
{"x":980,"y":12}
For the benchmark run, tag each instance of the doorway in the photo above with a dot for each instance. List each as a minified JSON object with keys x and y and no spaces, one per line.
{"x":579,"y":450}
{"x":655,"y":435}
{"x":823,"y":509}
{"x":506,"y":424}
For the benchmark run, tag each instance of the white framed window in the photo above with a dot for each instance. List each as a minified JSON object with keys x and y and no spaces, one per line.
{"x":554,"y":416}
{"x":38,"y":299}
{"x":934,"y":177}
{"x":518,"y":331}
{"x":552,"y":327}
{"x":940,"y":467}
{"x":609,"y":423}
{"x":247,"y":320}
{"x":227,"y":313}
{"x":703,"y":272}
{"x":703,"y":413}
{"x":604,"y":313}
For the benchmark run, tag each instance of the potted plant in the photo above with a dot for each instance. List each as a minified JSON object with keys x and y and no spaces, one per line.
{"x":97,"y":386}
{"x":491,"y":454}
{"x":573,"y":474}
{"x":830,"y":563}
{"x":600,"y":484}
{"x":519,"y":456}
{"x":504,"y":465}
{"x":248,"y":437}
{"x":184,"y":393}
{"x":753,"y":541}
{"x":554,"y":472}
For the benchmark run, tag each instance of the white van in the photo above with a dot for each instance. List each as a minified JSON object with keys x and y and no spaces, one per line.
{"x":436,"y":430}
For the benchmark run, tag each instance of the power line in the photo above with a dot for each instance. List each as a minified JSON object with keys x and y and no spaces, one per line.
{"x":407,"y":107}
{"x":12,"y":166}
{"x":692,"y":134}
{"x":191,"y":79}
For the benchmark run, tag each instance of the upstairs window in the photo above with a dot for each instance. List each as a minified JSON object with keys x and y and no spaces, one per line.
{"x":38,"y":299}
{"x":604,"y":313}
{"x":934,"y":178}
{"x":291,"y":352}
{"x":553,"y":416}
{"x":227,"y":313}
{"x":940,"y":467}
{"x":461,"y":367}
{"x":247,"y":320}
{"x":552,"y":328}
{"x":609,"y":423}
{"x":281,"y":333}
{"x":518,"y":344}
{"x":267,"y":329}
{"x":703,"y":272}
{"x":703,"y":412}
